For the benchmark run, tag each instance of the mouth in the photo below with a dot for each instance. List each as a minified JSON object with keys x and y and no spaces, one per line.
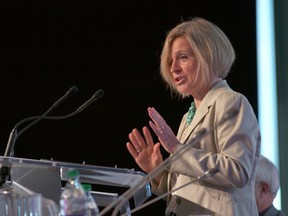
{"x":179,"y":80}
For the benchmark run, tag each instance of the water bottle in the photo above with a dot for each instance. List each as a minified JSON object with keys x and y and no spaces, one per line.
{"x":92,"y":206}
{"x":73,"y":200}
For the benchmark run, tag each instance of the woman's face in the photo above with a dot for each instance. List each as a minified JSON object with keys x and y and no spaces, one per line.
{"x":184,"y":67}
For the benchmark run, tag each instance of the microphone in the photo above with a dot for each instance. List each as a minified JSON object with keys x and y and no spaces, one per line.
{"x":9,"y":152}
{"x":97,"y":95}
{"x":73,"y":90}
{"x":9,"y":149}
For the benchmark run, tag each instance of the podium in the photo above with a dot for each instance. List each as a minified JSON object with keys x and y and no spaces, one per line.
{"x":47,"y":178}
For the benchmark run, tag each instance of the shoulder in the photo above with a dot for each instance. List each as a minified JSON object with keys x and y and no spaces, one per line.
{"x":273,"y":211}
{"x":222,"y":102}
{"x":225,"y":98}
{"x":222,"y":94}
{"x":281,"y":213}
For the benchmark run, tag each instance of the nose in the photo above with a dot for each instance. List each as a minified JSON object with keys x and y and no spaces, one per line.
{"x":175,"y":67}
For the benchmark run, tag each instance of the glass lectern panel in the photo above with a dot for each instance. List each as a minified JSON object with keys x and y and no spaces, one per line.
{"x":47,"y":176}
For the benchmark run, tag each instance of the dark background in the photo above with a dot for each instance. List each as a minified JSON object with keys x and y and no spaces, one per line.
{"x":48,"y":46}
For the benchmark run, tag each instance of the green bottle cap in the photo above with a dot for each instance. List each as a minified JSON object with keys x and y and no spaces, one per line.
{"x":73,"y":173}
{"x":87,"y":187}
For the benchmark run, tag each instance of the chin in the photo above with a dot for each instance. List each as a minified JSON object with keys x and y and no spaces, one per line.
{"x":183,"y":91}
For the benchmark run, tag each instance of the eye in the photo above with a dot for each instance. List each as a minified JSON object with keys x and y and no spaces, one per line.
{"x":170,"y":61}
{"x":183,"y":57}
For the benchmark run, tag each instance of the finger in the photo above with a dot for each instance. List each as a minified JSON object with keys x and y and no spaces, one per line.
{"x":148,"y":137}
{"x":157,"y":148}
{"x":134,"y":141}
{"x":153,"y":115}
{"x":132,"y":150}
{"x":156,"y":117}
{"x":137,"y":140}
{"x":158,"y":131}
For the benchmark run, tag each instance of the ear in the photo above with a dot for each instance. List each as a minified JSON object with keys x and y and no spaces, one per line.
{"x":265,"y":187}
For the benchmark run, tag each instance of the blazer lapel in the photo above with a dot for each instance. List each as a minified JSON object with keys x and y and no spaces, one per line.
{"x":202,"y":111}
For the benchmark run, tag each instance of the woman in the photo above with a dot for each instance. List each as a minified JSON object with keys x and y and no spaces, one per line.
{"x":195,"y":60}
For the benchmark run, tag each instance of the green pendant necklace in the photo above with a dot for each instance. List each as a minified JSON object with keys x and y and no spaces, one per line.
{"x":191,"y":113}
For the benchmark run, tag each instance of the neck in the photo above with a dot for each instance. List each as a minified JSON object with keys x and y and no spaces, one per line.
{"x":198,"y":97}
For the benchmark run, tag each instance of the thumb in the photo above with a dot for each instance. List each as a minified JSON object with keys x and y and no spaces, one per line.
{"x":157,"y":148}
